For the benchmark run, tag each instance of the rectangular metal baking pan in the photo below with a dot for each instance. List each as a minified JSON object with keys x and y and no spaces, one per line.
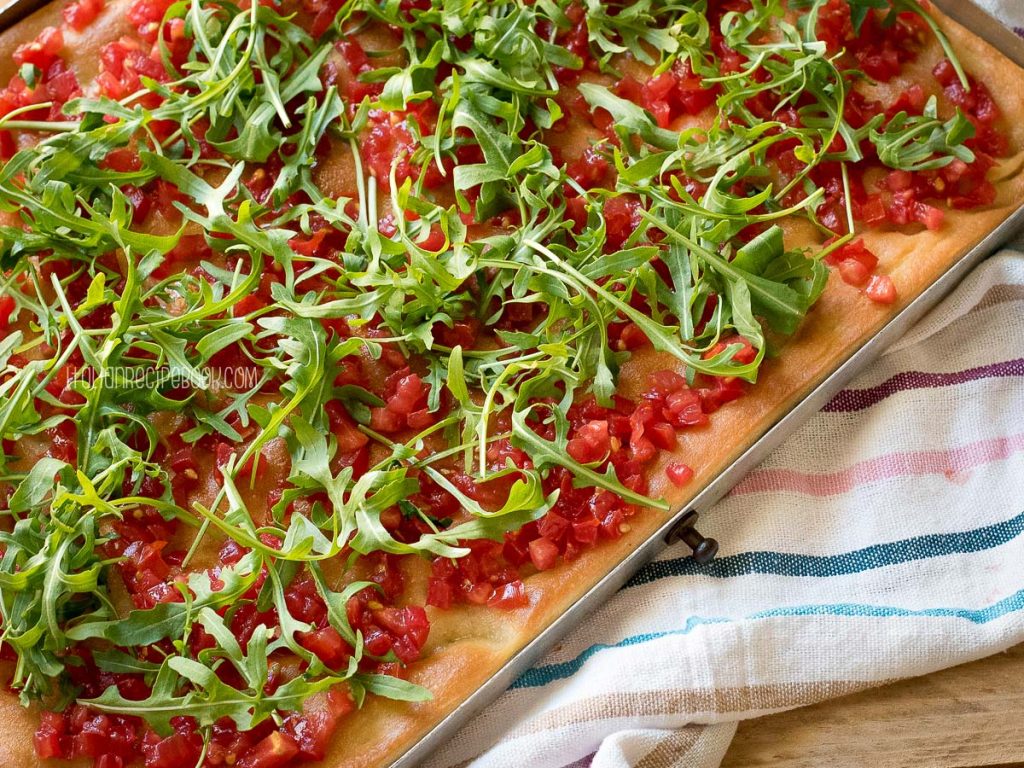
{"x":15,"y":10}
{"x":987,"y":28}
{"x":984,"y":26}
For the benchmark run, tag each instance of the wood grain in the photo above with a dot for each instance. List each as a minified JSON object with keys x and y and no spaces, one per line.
{"x":965,"y":717}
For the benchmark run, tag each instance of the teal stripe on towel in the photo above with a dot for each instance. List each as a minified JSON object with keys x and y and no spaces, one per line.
{"x":823,"y":566}
{"x":541,"y":676}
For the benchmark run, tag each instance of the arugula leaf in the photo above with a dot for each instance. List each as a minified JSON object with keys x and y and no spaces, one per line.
{"x":923,"y":142}
{"x":628,"y":118}
{"x":169,"y":620}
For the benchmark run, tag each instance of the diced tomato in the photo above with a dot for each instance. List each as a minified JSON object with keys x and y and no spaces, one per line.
{"x":622,"y":217}
{"x":881,"y":290}
{"x":7,"y":145}
{"x":122,"y":63}
{"x":744,"y":355}
{"x":612,"y":523}
{"x":576,"y":39}
{"x":626,"y":336}
{"x":678,"y":473}
{"x":479,"y":593}
{"x":310,"y":246}
{"x":247,"y":305}
{"x":385,"y":421}
{"x":666,"y":382}
{"x":123,"y":160}
{"x":410,"y":394}
{"x":929,"y":215}
{"x":47,"y":738}
{"x":729,"y":61}
{"x":854,"y":272}
{"x":553,"y":527}
{"x":172,"y":752}
{"x":275,"y":751}
{"x":79,"y":14}
{"x":321,"y":715}
{"x":390,"y":143}
{"x":899,"y":180}
{"x":509,"y":596}
{"x":42,"y":51}
{"x":662,"y":435}
{"x":854,"y":261}
{"x":674,"y":92}
{"x":61,"y":86}
{"x":543,"y":554}
{"x":146,"y":15}
{"x":655,"y":92}
{"x":835,"y":27}
{"x":326,"y":644}
{"x":407,"y":626}
{"x":6,"y":310}
{"x":872,"y":211}
{"x":720,"y":390}
{"x":223,"y":453}
{"x":693,"y":96}
{"x":435,"y":239}
{"x":440,"y":593}
{"x":912,"y":101}
{"x":590,"y":443}
{"x":590,"y":169}
{"x":344,"y":428}
{"x":357,"y":61}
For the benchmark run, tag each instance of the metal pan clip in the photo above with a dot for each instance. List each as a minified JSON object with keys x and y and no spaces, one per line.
{"x":704,"y":549}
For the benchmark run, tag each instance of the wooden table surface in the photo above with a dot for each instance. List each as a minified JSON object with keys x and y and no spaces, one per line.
{"x":966,"y":717}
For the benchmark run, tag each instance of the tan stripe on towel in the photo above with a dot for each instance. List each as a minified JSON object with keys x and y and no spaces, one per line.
{"x":1000,"y":294}
{"x":671,"y":750}
{"x":750,"y":698}
{"x":739,"y":700}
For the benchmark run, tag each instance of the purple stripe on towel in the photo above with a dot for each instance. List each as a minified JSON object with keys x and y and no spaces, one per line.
{"x":583,"y":762}
{"x":859,"y":399}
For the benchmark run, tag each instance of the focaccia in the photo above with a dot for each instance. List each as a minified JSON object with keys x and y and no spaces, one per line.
{"x":270,"y":273}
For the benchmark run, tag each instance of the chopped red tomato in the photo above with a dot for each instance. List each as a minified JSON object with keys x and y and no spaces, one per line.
{"x":590,"y":169}
{"x":855,"y":262}
{"x":509,"y":596}
{"x":172,"y":752}
{"x":43,"y":51}
{"x":543,"y":554}
{"x":389,"y":143}
{"x":6,"y":310}
{"x":881,"y":290}
{"x":622,"y":217}
{"x":79,"y":14}
{"x":312,"y":730}
{"x":48,"y":736}
{"x":146,"y":15}
{"x":591,"y":443}
{"x":275,"y":751}
{"x":327,"y":644}
{"x":678,"y":473}
{"x":675,"y":92}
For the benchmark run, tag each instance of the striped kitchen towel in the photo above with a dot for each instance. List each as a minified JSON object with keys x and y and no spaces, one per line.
{"x":1009,"y":11}
{"x":884,"y":540}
